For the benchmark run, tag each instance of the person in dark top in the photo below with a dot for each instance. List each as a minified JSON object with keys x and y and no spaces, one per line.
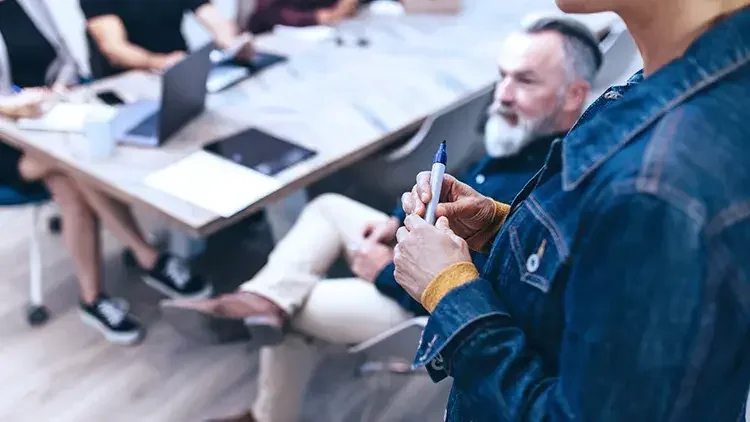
{"x":544,"y":81}
{"x":147,"y":35}
{"x":34,"y":61}
{"x":265,"y":14}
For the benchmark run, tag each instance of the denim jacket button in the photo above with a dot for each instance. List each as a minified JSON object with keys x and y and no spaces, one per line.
{"x":532,"y":264}
{"x":479,"y":179}
{"x":612,"y":95}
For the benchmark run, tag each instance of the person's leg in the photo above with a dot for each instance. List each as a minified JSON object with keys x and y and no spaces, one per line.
{"x":341,"y":311}
{"x":325,"y":227}
{"x":328,"y":225}
{"x":164,"y":272}
{"x":81,"y":236}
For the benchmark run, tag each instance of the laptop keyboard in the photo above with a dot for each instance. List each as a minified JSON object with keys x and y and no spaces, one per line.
{"x":148,"y":127}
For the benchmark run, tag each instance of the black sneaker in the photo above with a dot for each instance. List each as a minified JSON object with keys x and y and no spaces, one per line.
{"x":110,"y":316}
{"x":172,"y":277}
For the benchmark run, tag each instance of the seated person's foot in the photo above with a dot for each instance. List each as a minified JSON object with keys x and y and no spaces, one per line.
{"x":238,"y":316}
{"x":111,"y":317}
{"x":173,"y":277}
{"x":245,"y":417}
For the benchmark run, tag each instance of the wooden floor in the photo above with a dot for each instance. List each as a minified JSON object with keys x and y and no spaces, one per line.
{"x":66,"y":372}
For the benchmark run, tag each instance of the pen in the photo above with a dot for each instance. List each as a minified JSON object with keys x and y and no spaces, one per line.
{"x":436,"y":181}
{"x":16,"y":89}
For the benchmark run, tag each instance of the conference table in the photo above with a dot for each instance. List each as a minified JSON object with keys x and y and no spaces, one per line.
{"x":337,"y":97}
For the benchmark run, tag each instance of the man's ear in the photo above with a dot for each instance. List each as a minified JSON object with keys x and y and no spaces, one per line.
{"x":575,"y":98}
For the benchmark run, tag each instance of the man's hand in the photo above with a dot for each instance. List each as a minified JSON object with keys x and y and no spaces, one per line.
{"x":327,"y":16}
{"x":245,"y":53}
{"x":424,"y":251}
{"x":470,"y":213}
{"x":381,"y":232}
{"x":367,"y":261}
{"x":161,"y":62}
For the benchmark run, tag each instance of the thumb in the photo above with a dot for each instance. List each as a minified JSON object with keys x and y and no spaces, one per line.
{"x":448,"y":209}
{"x":443,"y":225}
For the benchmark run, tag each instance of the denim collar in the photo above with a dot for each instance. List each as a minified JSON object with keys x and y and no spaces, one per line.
{"x":719,"y":52}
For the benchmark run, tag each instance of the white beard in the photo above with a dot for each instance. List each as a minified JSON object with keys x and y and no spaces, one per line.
{"x":503,"y":140}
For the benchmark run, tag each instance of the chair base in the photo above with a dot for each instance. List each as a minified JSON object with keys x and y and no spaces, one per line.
{"x":37,"y":315}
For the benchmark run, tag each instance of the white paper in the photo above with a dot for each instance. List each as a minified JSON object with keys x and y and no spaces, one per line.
{"x":66,"y":117}
{"x":213,"y":183}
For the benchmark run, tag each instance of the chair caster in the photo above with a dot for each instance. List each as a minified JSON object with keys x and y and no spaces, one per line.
{"x":54,"y":225}
{"x":128,"y":259}
{"x":37,"y":315}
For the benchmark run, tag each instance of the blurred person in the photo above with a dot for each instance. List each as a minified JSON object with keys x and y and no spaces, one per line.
{"x":545,"y":74}
{"x":618,"y":279}
{"x":262,"y":15}
{"x":147,"y":35}
{"x":34,"y":62}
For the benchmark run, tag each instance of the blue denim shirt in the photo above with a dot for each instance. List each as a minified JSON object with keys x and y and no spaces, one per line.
{"x":618,"y":289}
{"x":498,"y":178}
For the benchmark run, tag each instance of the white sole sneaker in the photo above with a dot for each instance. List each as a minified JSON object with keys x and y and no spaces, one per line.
{"x":125,"y":339}
{"x":157,"y":285}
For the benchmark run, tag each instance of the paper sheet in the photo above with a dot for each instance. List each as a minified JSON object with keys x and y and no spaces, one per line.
{"x":213,"y":183}
{"x":66,"y":117}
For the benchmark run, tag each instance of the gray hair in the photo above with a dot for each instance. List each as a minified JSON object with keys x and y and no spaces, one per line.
{"x":582,"y":54}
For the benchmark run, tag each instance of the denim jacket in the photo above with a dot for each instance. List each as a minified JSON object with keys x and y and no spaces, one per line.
{"x":618,"y":289}
{"x":498,"y":178}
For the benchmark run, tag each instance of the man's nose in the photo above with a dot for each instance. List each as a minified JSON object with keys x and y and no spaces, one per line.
{"x":504,"y":94}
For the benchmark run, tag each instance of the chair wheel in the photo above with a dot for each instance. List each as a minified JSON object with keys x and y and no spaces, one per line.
{"x":128,"y":259}
{"x":54,"y":224}
{"x":37,"y":315}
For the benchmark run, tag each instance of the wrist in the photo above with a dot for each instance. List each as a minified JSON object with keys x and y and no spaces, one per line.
{"x":480,"y":242}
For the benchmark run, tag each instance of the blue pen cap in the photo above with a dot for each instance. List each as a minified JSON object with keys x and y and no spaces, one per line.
{"x":441,"y":156}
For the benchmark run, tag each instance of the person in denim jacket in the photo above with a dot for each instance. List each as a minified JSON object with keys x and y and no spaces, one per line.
{"x":618,"y":282}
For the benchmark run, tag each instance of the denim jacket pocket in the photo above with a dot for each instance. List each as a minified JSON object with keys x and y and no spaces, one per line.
{"x":538,"y":252}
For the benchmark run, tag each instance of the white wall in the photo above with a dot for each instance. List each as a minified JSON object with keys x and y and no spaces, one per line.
{"x":67,"y":14}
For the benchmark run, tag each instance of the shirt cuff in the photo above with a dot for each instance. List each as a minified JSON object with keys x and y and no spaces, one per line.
{"x":447,"y":280}
{"x":481,"y":241}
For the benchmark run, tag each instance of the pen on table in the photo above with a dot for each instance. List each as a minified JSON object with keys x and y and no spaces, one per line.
{"x":436,"y":181}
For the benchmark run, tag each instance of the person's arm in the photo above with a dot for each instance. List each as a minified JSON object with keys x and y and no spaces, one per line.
{"x":269,"y":13}
{"x":111,"y":37}
{"x":223,"y":31}
{"x":640,"y":312}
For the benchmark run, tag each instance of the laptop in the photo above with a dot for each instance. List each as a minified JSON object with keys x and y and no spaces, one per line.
{"x":228,"y":72}
{"x":183,"y":97}
{"x":431,"y":6}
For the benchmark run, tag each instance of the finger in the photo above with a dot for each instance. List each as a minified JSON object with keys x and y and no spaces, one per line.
{"x":401,"y":234}
{"x":443,"y":225}
{"x":407,"y":202}
{"x":413,"y":222}
{"x":450,"y":210}
{"x":423,"y":191}
{"x":419,"y":207}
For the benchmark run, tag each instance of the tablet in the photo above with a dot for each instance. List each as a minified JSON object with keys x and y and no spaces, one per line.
{"x":260,"y":151}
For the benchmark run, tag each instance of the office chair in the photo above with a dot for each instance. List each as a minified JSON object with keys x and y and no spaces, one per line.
{"x":36,"y":313}
{"x":456,"y":124}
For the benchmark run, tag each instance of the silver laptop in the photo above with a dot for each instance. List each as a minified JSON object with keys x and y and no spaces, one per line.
{"x":183,"y":97}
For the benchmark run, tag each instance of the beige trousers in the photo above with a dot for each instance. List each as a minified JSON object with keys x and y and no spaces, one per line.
{"x":341,"y":311}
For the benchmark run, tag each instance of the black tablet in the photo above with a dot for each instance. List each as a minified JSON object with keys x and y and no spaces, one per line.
{"x":260,"y":151}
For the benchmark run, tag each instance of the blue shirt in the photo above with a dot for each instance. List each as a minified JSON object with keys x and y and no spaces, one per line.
{"x":618,"y":289}
{"x":498,"y":178}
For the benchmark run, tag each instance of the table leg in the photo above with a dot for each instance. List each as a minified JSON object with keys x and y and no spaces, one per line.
{"x":281,"y":215}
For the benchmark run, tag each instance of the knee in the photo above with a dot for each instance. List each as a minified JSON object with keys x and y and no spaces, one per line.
{"x":326,"y":201}
{"x":32,"y":169}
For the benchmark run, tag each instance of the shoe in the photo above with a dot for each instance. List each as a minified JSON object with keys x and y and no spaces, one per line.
{"x":228,"y":318}
{"x":173,"y":277}
{"x":245,"y":417}
{"x":110,"y":316}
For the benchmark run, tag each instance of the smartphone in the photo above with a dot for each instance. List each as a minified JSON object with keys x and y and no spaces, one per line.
{"x":110,"y":98}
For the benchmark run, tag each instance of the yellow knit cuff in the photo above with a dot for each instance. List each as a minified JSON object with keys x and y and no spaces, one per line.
{"x":481,"y":241}
{"x":447,"y":280}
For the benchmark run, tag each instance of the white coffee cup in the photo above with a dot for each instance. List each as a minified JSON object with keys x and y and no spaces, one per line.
{"x":99,"y":134}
